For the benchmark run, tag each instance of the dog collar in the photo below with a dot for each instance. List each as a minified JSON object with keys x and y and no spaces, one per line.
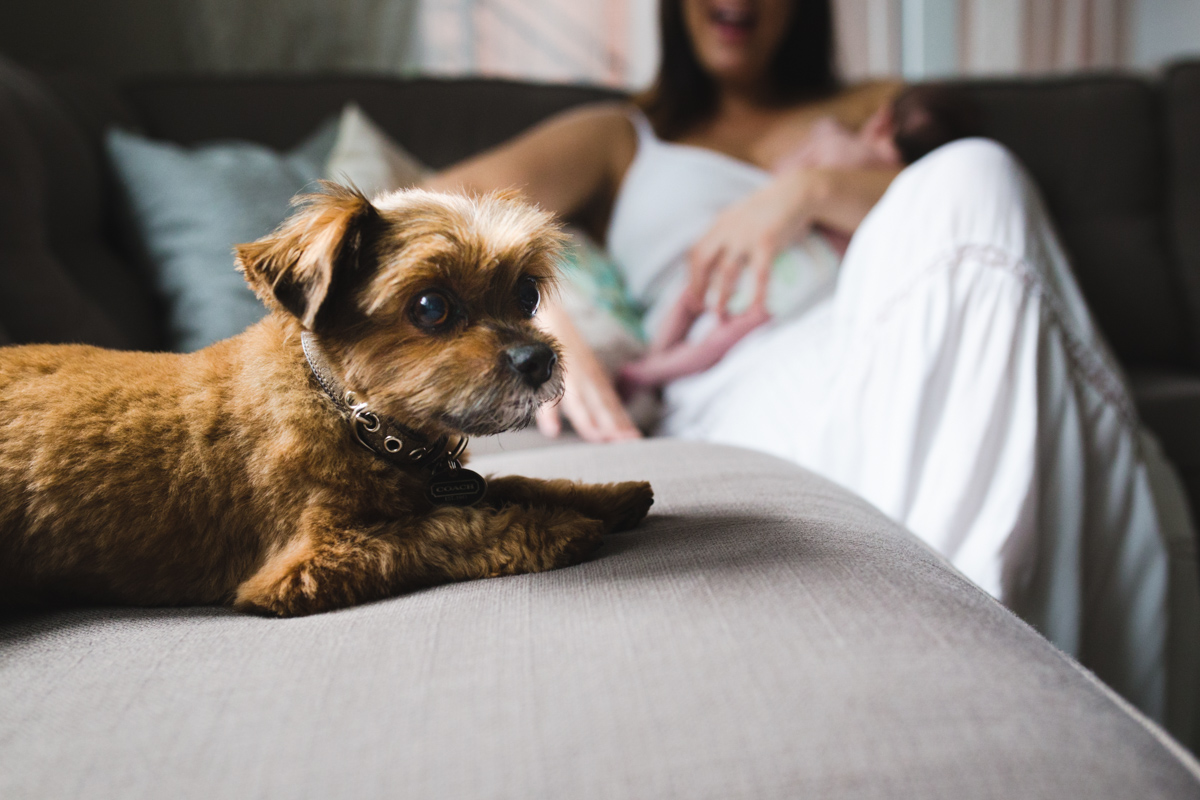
{"x":449,"y":483}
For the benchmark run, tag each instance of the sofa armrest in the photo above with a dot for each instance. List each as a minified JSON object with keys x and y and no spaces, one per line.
{"x":1169,"y":404}
{"x":763,"y":634}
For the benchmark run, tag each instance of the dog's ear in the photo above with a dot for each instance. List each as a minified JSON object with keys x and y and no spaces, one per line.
{"x":294,"y":267}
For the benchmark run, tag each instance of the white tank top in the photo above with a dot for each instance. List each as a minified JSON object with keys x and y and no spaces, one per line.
{"x":668,"y":199}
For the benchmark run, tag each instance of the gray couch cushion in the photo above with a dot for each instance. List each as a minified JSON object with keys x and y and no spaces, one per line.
{"x":763,"y":634}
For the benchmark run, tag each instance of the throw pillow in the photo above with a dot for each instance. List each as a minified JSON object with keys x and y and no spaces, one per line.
{"x":593,"y":293}
{"x":366,"y":157}
{"x":191,"y":205}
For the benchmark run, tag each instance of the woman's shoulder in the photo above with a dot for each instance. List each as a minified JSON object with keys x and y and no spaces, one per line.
{"x":608,"y":126}
{"x":607,"y":129}
{"x":611,"y":115}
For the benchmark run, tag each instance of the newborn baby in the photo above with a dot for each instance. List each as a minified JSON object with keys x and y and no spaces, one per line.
{"x":919,"y":120}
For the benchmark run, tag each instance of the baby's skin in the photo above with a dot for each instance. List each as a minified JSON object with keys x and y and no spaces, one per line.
{"x":671,"y":354}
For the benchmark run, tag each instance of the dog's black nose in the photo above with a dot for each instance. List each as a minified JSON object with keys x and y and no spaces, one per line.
{"x":533,"y":362}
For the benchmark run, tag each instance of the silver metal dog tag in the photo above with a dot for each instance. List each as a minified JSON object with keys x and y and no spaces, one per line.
{"x":456,"y":487}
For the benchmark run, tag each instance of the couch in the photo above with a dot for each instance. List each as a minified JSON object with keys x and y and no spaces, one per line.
{"x":763,"y":634}
{"x":1115,"y":156}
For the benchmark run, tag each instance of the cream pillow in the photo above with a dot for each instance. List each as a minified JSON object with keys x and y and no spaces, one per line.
{"x":365,"y":156}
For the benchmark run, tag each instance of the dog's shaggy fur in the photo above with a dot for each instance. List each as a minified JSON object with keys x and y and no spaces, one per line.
{"x":228,"y":476}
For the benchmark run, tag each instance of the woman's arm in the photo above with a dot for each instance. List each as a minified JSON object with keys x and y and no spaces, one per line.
{"x":562,"y":164}
{"x":749,"y":234}
{"x":840,"y":199}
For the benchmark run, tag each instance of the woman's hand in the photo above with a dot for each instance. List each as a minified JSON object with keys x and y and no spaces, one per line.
{"x":590,"y":401}
{"x":747,"y":236}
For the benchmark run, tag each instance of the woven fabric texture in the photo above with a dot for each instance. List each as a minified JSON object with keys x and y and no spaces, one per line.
{"x":763,"y":634}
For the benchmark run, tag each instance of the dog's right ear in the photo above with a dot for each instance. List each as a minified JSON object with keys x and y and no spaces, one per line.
{"x":293,"y":268}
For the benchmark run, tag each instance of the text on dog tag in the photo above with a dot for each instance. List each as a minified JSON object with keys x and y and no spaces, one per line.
{"x":456,"y":487}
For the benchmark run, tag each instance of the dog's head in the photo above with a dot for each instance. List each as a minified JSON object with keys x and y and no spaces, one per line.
{"x":425,"y":301}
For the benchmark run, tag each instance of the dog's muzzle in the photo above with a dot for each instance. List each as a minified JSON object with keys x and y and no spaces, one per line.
{"x":533,"y":362}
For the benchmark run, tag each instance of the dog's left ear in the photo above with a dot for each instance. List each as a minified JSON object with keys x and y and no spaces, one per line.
{"x":293,"y":268}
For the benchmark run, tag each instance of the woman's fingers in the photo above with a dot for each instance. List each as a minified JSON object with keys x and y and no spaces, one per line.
{"x":761,"y":261}
{"x":598,"y":418}
{"x":548,"y":420}
{"x":590,"y":401}
{"x":724,"y":283}
{"x":678,"y":321}
{"x":703,"y":259}
{"x":610,"y":421}
{"x":716,"y":270}
{"x":592,"y":406}
{"x":580,"y":417}
{"x":755,"y":261}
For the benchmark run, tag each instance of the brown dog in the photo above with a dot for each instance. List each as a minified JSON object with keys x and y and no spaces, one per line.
{"x":239,"y":475}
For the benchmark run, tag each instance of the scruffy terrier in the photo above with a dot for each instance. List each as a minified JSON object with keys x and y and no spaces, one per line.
{"x":315,"y":460}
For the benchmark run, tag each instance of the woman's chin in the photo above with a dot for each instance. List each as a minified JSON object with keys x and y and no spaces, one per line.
{"x":734,"y":70}
{"x":731,"y":62}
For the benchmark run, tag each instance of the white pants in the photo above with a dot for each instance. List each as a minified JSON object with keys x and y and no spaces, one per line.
{"x":955,"y":379}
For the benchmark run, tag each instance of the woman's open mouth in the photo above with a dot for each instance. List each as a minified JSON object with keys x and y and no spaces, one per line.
{"x":733,"y":21}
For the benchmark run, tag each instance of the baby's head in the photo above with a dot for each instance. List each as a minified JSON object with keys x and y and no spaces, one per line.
{"x":920,"y":120}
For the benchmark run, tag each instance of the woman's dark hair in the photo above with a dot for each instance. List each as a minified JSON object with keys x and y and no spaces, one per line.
{"x":684,"y":94}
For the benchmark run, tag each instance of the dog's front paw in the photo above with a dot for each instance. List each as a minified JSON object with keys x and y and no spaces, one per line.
{"x":618,"y":506}
{"x":627,"y":505}
{"x":577,"y":540}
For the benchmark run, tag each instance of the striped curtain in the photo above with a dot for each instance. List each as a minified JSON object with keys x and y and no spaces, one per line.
{"x":614,"y":42}
{"x":1030,"y":36}
{"x":977,"y":37}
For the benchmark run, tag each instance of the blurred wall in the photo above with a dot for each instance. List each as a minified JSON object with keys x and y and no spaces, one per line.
{"x":1163,"y":30}
{"x":610,"y":42}
{"x":613,"y":42}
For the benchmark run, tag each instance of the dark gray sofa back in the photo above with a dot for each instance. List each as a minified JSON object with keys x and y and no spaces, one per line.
{"x":440,"y":121}
{"x":61,"y":280}
{"x":1095,"y":144}
{"x":1181,"y":106}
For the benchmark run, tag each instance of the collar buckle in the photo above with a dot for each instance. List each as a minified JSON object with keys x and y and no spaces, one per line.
{"x":381,"y":435}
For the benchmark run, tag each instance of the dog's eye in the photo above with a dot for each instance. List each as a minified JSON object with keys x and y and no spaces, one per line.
{"x":528,"y":296}
{"x":430,"y":310}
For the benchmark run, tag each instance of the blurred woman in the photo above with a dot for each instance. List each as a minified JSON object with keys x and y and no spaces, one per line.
{"x":951,"y":374}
